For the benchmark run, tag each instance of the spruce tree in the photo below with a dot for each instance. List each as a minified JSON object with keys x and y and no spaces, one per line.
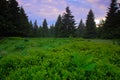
{"x":90,"y":29}
{"x":31,"y":29}
{"x":14,"y":17}
{"x":35,"y":29}
{"x":68,"y":24}
{"x":24,"y":23}
{"x":13,"y":20}
{"x":58,"y":25}
{"x":40,"y":31}
{"x":80,"y":29}
{"x":5,"y":22}
{"x":45,"y":28}
{"x":100,"y":29}
{"x":111,"y":27}
{"x":117,"y":25}
{"x":52,"y":31}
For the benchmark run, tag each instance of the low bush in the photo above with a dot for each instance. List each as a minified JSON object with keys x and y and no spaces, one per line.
{"x":60,"y":59}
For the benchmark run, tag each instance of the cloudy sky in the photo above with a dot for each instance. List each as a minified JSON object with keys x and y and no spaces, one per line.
{"x":50,"y":9}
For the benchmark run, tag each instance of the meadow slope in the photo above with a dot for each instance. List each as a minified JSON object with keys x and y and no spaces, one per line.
{"x":59,"y":59}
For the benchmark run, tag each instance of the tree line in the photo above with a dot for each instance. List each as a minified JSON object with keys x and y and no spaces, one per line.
{"x":14,"y":22}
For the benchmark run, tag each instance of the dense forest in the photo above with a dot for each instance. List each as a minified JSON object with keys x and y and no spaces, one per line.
{"x":14,"y":22}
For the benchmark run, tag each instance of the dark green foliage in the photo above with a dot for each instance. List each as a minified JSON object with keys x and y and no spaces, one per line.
{"x":80,"y":29}
{"x":15,"y":17}
{"x":40,"y":31}
{"x":68,"y":24}
{"x":5,"y":22}
{"x":31,"y":29}
{"x":111,"y":27}
{"x":26,"y":40}
{"x":35,"y":29}
{"x":52,"y":31}
{"x":19,"y":47}
{"x":24,"y":28}
{"x":90,"y":29}
{"x":45,"y":32}
{"x":100,"y":29}
{"x":13,"y":20}
{"x":58,"y":26}
{"x":116,"y":42}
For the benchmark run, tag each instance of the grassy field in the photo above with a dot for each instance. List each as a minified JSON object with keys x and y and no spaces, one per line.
{"x":59,"y":59}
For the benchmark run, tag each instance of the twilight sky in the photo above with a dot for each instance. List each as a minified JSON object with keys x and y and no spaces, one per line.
{"x":50,"y":9}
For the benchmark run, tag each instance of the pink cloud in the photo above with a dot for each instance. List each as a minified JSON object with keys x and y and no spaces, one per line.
{"x":50,"y":9}
{"x":92,"y":1}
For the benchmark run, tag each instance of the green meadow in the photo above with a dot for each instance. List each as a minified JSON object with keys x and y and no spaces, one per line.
{"x":59,"y":59}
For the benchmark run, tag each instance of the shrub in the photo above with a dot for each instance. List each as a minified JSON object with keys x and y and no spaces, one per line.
{"x":19,"y":47}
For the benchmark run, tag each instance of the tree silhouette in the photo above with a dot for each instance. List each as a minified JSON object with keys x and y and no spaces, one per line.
{"x":35,"y":29}
{"x":111,"y":27}
{"x":68,"y":24}
{"x":58,"y":25}
{"x":80,"y":29}
{"x":90,"y":29}
{"x":45,"y":28}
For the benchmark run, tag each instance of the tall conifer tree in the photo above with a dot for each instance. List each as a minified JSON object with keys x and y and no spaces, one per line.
{"x":52,"y":31}
{"x":90,"y":29}
{"x":31,"y":29}
{"x":58,"y":25}
{"x":45,"y":28}
{"x":40,"y":31}
{"x":80,"y":29}
{"x":13,"y":20}
{"x":5,"y":22}
{"x":35,"y":29}
{"x":14,"y":17}
{"x":68,"y":24}
{"x":24,"y":24}
{"x":111,"y":27}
